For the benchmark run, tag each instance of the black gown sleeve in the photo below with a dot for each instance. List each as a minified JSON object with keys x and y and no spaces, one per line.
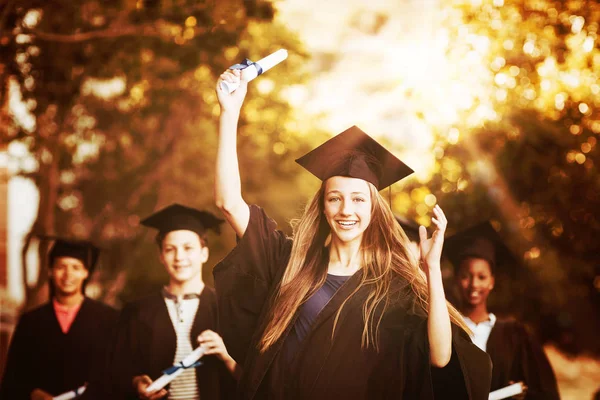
{"x":535,"y":369}
{"x":16,"y":382}
{"x":261,"y":252}
{"x":99,"y":384}
{"x":125,"y":355}
{"x":467,"y":375}
{"x":471,"y":362}
{"x":245,"y":279}
{"x":407,"y":373}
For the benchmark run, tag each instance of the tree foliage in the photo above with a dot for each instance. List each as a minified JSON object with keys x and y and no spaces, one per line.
{"x":122,"y":95}
{"x":532,"y":164}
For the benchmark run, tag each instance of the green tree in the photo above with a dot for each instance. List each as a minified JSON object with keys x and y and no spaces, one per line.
{"x":122,"y":94}
{"x":533,"y":161}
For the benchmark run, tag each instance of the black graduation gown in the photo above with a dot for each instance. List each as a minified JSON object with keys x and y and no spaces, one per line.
{"x":146,"y":343}
{"x":517,"y":356}
{"x":41,"y":356}
{"x":326,"y":368}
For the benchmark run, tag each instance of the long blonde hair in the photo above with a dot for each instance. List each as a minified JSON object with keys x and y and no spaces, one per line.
{"x":384,"y":257}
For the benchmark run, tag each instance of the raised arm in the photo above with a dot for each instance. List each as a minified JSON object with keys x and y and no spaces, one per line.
{"x":439,"y":330}
{"x":228,"y":188}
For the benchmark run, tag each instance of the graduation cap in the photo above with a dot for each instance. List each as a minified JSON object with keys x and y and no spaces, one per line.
{"x":355,"y":154}
{"x":177,"y":217}
{"x":480,"y":241}
{"x":410,"y":228}
{"x":83,"y":250}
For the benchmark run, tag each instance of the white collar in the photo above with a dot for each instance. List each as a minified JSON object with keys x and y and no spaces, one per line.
{"x":490,"y":322}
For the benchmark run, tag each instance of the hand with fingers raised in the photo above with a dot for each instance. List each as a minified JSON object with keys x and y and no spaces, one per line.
{"x":431,"y":248}
{"x":439,"y":329}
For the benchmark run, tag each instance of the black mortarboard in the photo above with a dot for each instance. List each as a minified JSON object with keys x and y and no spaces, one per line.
{"x":83,"y":250}
{"x":177,"y":217}
{"x":480,"y":241}
{"x":410,"y":228}
{"x":355,"y":154}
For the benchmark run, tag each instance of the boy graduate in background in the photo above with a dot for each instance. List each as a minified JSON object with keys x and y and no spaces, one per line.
{"x":477,"y":254}
{"x":162,"y":329}
{"x":61,"y":345}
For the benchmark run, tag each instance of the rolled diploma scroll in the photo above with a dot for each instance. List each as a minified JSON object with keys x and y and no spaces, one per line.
{"x":251,"y":72}
{"x":176,"y":370}
{"x":506,"y":392}
{"x":73,"y":394}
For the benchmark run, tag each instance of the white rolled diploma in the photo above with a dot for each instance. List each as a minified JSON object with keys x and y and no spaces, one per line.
{"x":506,"y":392}
{"x":165,"y":379}
{"x":71,"y":394}
{"x":251,"y":72}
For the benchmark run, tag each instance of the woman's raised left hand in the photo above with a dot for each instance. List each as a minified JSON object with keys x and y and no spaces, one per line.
{"x":431,"y":248}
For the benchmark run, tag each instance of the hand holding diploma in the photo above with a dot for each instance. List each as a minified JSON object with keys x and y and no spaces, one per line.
{"x":251,"y":70}
{"x":231,"y":103}
{"x":73,"y":394}
{"x":39,"y":394}
{"x":233,"y":83}
{"x":213,"y":344}
{"x":191,"y":361}
{"x":508,"y":391}
{"x":141,"y":384}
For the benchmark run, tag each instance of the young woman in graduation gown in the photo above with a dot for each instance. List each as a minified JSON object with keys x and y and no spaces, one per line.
{"x":340,"y":311}
{"x":150,"y":337}
{"x":61,"y":346}
{"x":516,"y":355}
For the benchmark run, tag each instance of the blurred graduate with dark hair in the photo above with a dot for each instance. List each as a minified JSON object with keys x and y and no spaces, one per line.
{"x":61,"y":346}
{"x":478,"y":254}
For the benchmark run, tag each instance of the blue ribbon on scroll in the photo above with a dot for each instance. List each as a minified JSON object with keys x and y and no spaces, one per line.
{"x":245,"y":64}
{"x":171,"y":370}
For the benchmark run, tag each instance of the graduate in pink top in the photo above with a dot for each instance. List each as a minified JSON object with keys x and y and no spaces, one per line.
{"x":61,"y":345}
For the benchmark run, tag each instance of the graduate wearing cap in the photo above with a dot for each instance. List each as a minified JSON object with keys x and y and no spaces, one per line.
{"x":61,"y":346}
{"x":163,"y":328}
{"x":341,"y":310}
{"x":477,"y":253}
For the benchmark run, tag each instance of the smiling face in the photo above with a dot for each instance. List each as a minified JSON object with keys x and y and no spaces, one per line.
{"x":68,"y":275}
{"x":476,"y":281}
{"x":183,"y":254}
{"x":347,"y":207}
